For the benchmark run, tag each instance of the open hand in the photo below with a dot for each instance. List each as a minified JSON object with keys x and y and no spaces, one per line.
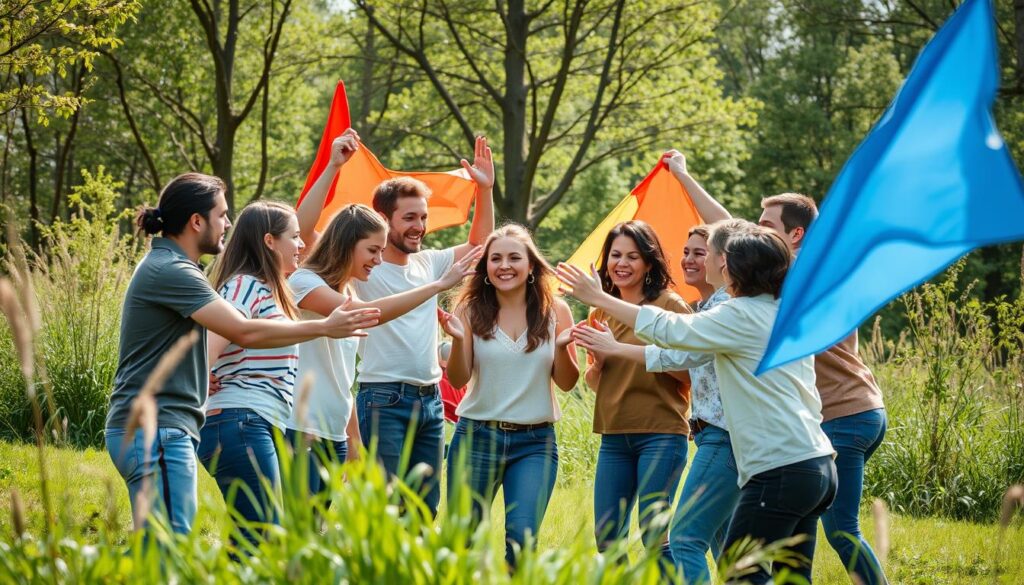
{"x":346,"y":322}
{"x":482,"y":169}
{"x":344,"y":147}
{"x":598,"y":341}
{"x":564,"y":338}
{"x":585,"y":287}
{"x":451,"y":325}
{"x":461,"y":269}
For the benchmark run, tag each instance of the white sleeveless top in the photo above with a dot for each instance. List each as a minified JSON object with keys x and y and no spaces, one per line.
{"x":510,"y":385}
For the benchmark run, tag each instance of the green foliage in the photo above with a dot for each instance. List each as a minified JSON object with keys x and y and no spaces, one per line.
{"x":79,"y":286}
{"x":955,"y":397}
{"x":43,"y":39}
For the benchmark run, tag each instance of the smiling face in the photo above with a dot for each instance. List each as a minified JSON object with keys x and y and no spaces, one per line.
{"x":366,"y":255}
{"x":214,"y":227}
{"x":408,"y":224}
{"x":288,"y":246}
{"x":508,"y":264}
{"x":694,"y":255}
{"x":626,"y":266}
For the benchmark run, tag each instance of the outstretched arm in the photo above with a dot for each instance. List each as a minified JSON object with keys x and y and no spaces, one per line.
{"x":308,"y":212}
{"x":482,"y":173}
{"x":709,"y":209}
{"x":222,"y":318}
{"x":324,"y":299}
{"x":600,"y":342}
{"x":587,"y":289}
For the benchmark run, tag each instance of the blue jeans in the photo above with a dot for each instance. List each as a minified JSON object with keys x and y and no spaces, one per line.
{"x":644,"y":466}
{"x":705,"y":507}
{"x":238,"y":450}
{"x":388,"y":413}
{"x":783,"y":502}
{"x":854,"y":438}
{"x":168,"y":468}
{"x":320,"y":452}
{"x":523,"y":463}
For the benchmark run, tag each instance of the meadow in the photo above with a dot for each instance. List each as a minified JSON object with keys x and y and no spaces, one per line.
{"x":953,"y":381}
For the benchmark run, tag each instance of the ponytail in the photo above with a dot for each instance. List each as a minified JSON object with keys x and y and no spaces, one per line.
{"x":186,"y":195}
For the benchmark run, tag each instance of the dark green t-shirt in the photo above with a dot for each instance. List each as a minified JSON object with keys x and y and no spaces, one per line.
{"x":166,"y":289}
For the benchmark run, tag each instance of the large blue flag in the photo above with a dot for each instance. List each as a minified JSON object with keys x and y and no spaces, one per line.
{"x":932,"y":181}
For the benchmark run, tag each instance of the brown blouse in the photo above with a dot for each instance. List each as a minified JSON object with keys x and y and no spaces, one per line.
{"x":632,"y":400}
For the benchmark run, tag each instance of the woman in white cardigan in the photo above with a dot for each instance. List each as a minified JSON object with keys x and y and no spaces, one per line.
{"x":785,"y":462}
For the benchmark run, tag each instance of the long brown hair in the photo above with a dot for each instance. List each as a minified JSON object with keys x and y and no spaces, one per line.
{"x":481,"y":300}
{"x":247,"y":253}
{"x":331,"y":257}
{"x":658,"y":277}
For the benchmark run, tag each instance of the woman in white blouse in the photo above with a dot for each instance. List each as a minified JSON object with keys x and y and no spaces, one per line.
{"x":510,"y":341}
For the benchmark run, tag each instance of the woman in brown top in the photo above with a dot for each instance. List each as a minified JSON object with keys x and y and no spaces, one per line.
{"x":641,"y":416}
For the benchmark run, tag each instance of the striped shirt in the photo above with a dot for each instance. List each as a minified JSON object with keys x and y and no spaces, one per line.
{"x":262,"y":380}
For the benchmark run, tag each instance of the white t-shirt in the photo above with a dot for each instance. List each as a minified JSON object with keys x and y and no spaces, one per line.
{"x":774,"y":419}
{"x":259,"y":379}
{"x":332,"y":362}
{"x":404,"y":349}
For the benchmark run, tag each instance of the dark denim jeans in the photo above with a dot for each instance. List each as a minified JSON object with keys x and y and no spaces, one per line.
{"x":783,"y":502}
{"x":632,"y":467}
{"x":705,"y":506}
{"x":523,"y":463}
{"x":169,"y":468}
{"x":388,"y":413}
{"x":238,"y":450}
{"x":855,"y":439}
{"x":320,"y":452}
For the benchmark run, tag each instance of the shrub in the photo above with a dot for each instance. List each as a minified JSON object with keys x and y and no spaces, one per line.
{"x":955,"y":401}
{"x":79,"y":282}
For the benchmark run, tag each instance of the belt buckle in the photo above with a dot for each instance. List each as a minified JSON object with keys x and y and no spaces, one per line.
{"x":507,"y":426}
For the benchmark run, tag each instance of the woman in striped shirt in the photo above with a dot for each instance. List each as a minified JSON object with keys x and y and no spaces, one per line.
{"x":251,"y":389}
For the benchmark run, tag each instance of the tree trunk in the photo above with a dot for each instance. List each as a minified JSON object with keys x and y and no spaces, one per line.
{"x":1018,"y":21}
{"x":516,"y":202}
{"x":33,"y":180}
{"x":360,"y":122}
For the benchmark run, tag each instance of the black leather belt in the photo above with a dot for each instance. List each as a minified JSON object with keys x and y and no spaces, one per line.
{"x":509,"y":426}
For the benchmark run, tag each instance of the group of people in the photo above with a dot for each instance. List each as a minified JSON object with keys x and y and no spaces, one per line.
{"x":775,"y":452}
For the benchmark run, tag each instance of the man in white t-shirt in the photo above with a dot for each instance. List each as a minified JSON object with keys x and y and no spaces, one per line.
{"x":398,"y":373}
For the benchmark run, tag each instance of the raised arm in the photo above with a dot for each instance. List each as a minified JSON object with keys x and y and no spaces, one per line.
{"x":709,"y":209}
{"x":224,"y":320}
{"x":482,"y":173}
{"x":308,"y":212}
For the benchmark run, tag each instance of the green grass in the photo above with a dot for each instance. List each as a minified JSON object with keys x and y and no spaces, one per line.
{"x":924,"y":551}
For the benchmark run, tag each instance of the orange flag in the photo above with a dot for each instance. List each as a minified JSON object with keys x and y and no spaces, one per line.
{"x":453,"y":191}
{"x":661,"y":201}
